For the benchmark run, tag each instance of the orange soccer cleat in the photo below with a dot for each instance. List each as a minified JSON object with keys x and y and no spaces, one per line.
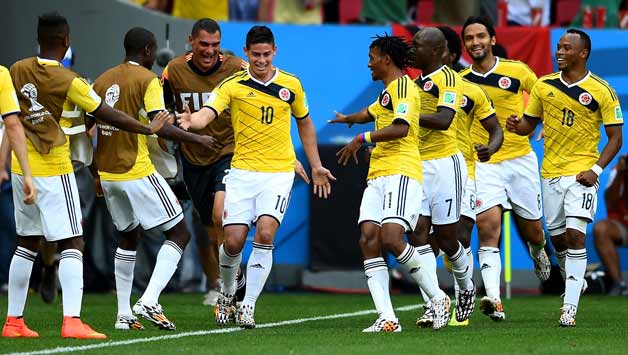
{"x":15,"y":327}
{"x":75,"y":328}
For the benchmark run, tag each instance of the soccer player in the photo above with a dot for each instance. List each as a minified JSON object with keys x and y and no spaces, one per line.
{"x":134,"y":191}
{"x":392,"y":197}
{"x":188,"y":80}
{"x":258,"y":186}
{"x":46,"y":90}
{"x":573,"y":104}
{"x":510,"y":178}
{"x":441,"y":93}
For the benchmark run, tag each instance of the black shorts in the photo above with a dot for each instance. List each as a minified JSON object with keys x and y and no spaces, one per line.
{"x":202,"y":182}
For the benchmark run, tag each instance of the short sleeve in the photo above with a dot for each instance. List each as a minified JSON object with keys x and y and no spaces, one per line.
{"x":372,"y":109}
{"x":154,"y":96}
{"x":611,"y":109}
{"x":401,"y":103}
{"x":451,"y":93}
{"x":220,"y":98}
{"x":528,"y":79}
{"x":484,"y":106}
{"x":535,"y":106}
{"x":299,"y":106}
{"x":82,"y":94}
{"x":8,"y":100}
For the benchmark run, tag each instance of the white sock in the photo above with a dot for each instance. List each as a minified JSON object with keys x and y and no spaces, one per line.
{"x":575,"y":266}
{"x":124,"y":265}
{"x":422,"y":269}
{"x":491,"y":267}
{"x":561,"y":256}
{"x":257,"y":271}
{"x":167,"y":261}
{"x":377,"y":278}
{"x":471,"y":262}
{"x":71,"y":280}
{"x":426,"y":299}
{"x":19,"y":275}
{"x":460,"y":268}
{"x":536,"y":249}
{"x":229,"y":265}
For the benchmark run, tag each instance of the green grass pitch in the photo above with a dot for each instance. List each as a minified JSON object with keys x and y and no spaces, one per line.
{"x":531,"y":327}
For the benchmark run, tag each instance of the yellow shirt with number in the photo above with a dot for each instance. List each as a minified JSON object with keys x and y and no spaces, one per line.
{"x":399,"y":101}
{"x":261,"y":116}
{"x":572,"y":116}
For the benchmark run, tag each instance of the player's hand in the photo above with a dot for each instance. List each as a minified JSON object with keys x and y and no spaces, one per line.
{"x":541,"y":134}
{"x":322,"y":181}
{"x":512,"y":123}
{"x":484,"y":154}
{"x":340,"y":118}
{"x":587,"y":178}
{"x":185,"y":119}
{"x":4,"y":175}
{"x":348,"y":151}
{"x":208,"y":142}
{"x":158,"y":121}
{"x":298,"y":168}
{"x":30,"y":193}
{"x":98,"y":187}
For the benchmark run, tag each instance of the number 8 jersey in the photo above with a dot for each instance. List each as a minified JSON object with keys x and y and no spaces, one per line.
{"x":572,"y":115}
{"x":260,"y":113}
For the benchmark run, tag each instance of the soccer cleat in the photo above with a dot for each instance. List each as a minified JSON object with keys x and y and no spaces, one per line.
{"x":454,"y":323}
{"x":493,"y":308}
{"x":542,"y":265}
{"x":48,"y":287}
{"x":382,"y":325}
{"x":15,"y":327}
{"x":154,"y":314}
{"x":211,"y":297}
{"x":465,"y":304}
{"x":225,"y":310}
{"x":568,"y":316}
{"x":245,"y":317}
{"x":128,"y":323}
{"x":74,"y":328}
{"x":427,"y":319}
{"x":441,"y":312}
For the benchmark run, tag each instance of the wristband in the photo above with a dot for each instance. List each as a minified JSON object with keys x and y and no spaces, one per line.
{"x":361,"y":138}
{"x":367,"y":137}
{"x":597,"y":169}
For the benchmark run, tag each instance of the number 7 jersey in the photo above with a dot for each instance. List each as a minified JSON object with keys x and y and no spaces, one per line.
{"x":260,"y":113}
{"x":572,"y":115}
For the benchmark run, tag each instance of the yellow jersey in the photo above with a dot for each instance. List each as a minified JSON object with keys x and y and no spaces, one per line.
{"x":441,"y":88}
{"x":505,"y":84}
{"x":260,"y":115}
{"x":8,"y":99}
{"x":572,"y":115}
{"x":57,"y":160}
{"x":476,"y":107}
{"x":400,"y":100}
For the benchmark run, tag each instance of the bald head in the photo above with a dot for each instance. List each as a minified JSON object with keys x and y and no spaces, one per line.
{"x":429,"y":45}
{"x":432,"y":37}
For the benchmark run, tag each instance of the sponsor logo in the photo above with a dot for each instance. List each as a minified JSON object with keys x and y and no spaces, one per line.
{"x":402,"y":108}
{"x":30,"y":91}
{"x":250,"y":94}
{"x":414,"y":270}
{"x":504,"y":82}
{"x":619,"y":116}
{"x":257,"y":266}
{"x":551,"y":94}
{"x":284,"y":94}
{"x":428,"y":85}
{"x":585,"y":98}
{"x":485,"y":266}
{"x":112,"y":95}
{"x":449,"y":97}
{"x":385,"y":99}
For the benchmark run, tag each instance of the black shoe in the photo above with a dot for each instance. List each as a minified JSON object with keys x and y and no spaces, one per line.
{"x":48,"y":287}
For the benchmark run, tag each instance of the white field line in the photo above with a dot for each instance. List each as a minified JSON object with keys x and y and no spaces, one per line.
{"x":70,"y":349}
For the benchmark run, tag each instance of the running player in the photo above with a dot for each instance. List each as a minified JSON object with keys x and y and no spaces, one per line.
{"x":510,"y":179}
{"x":46,"y":91}
{"x":258,"y":187}
{"x":134,"y":191}
{"x":573,"y":104}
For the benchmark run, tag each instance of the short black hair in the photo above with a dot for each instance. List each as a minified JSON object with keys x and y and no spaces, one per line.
{"x":51,"y":26}
{"x":454,"y":44}
{"x":482,"y":21}
{"x":259,"y":34}
{"x":398,"y":49}
{"x":205,"y":24}
{"x":500,"y":51}
{"x":138,"y":38}
{"x":584,"y":37}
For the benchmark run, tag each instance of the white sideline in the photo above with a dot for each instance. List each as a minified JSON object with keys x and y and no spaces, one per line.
{"x":70,"y":349}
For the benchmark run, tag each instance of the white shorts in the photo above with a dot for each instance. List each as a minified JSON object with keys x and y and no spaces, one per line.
{"x":250,"y":195}
{"x":391,"y":199}
{"x":444,"y":181}
{"x":468,"y":200}
{"x":147,"y":201}
{"x":514,"y":184}
{"x":56,"y":213}
{"x":563,"y":197}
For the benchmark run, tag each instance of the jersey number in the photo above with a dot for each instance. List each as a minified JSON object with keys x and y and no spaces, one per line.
{"x":268,"y":113}
{"x":568,"y":117}
{"x":281,"y":204}
{"x":587,"y":200}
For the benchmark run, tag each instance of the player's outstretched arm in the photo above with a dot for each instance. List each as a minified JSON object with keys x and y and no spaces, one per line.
{"x":495,"y":139}
{"x":173,"y":133}
{"x":398,"y":129}
{"x":125,"y":122}
{"x":321,"y":177}
{"x":521,"y":126}
{"x":614,"y":134}
{"x":358,"y":117}
{"x":15,"y":133}
{"x":198,"y":119}
{"x":441,"y":120}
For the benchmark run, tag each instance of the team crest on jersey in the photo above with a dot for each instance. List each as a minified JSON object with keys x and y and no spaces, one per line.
{"x":478,"y":203}
{"x":385,"y":99}
{"x":30,"y":91}
{"x":585,"y":98}
{"x":504,"y":82}
{"x":464,"y":101}
{"x":112,"y":95}
{"x":284,"y":94}
{"x":428,"y":85}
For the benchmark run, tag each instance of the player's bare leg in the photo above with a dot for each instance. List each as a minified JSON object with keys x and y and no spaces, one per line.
{"x":489,"y":225}
{"x":608,"y":236}
{"x":48,"y":286}
{"x":124,"y":267}
{"x":532,"y":232}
